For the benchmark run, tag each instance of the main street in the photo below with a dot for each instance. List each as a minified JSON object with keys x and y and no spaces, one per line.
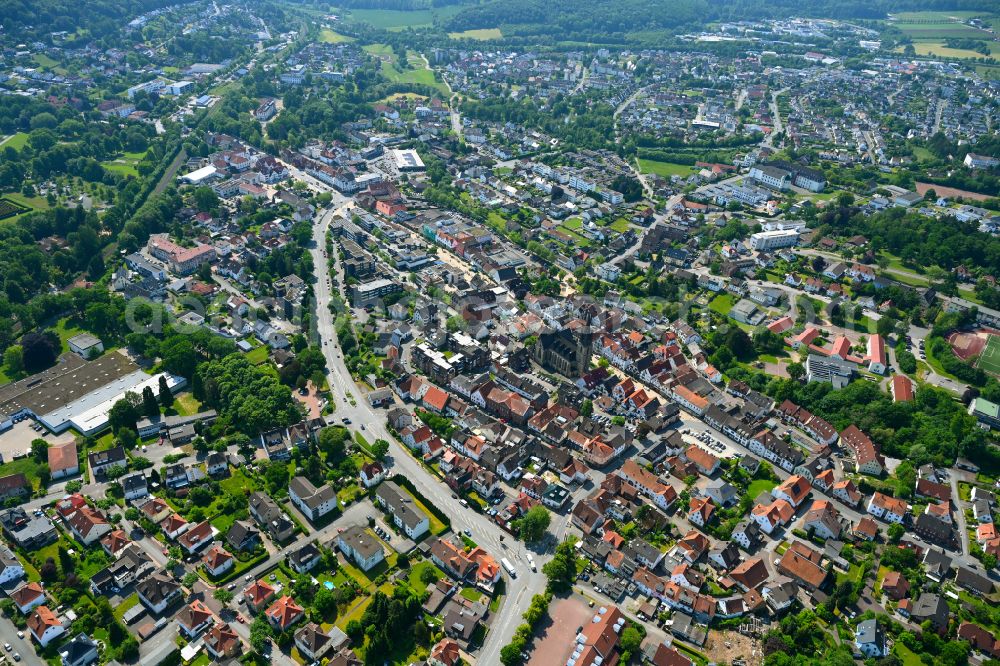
{"x":484,"y":532}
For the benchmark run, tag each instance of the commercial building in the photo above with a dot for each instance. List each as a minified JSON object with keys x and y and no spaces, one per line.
{"x":986,"y":412}
{"x":407,"y":160}
{"x":832,"y":369}
{"x":764,"y":241}
{"x":182,"y":260}
{"x":77,"y":393}
{"x":369,"y":292}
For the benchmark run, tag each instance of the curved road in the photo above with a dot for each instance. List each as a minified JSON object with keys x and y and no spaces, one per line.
{"x":373,"y":421}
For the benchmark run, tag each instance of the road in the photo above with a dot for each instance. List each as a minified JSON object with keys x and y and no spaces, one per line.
{"x":484,"y":531}
{"x":776,"y":118}
{"x":959,"y":514}
{"x":630,"y":251}
{"x":631,"y":98}
{"x":583,"y":81}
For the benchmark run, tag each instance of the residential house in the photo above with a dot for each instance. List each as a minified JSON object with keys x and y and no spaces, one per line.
{"x":44,"y":625}
{"x":889,"y":509}
{"x":157,"y":590}
{"x":195,"y":618}
{"x":361,"y":547}
{"x":405,"y":513}
{"x":313,"y":502}
{"x":283,"y":613}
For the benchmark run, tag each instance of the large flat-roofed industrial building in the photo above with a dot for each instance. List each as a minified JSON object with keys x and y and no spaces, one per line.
{"x":407,"y":160}
{"x":76,"y":393}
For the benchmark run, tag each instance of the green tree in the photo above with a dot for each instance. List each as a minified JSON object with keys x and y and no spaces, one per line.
{"x":895,"y":532}
{"x":206,"y":199}
{"x":165,"y":396}
{"x":13,"y":358}
{"x":587,"y":408}
{"x":150,"y":407}
{"x":223,"y":596}
{"x":325,"y":603}
{"x":260,"y":635}
{"x":40,"y":450}
{"x":380,"y":448}
{"x":561,"y":569}
{"x":531,"y":527}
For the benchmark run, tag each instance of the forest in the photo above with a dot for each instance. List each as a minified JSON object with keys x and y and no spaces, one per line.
{"x":36,"y":19}
{"x":919,"y":240}
{"x":591,"y":20}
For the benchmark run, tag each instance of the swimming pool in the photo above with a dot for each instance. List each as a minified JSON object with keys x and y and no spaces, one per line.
{"x":328,"y":584}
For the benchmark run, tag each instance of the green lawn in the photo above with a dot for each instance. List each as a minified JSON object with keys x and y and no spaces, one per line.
{"x":418,"y":75}
{"x":377,"y":49}
{"x":853,"y":575}
{"x":665,"y":169}
{"x":354,"y":613}
{"x":906,"y":655}
{"x":572,"y":223}
{"x":66,"y":329}
{"x":471,"y":593}
{"x":413,"y":578}
{"x":760,"y":486}
{"x":36,"y":203}
{"x":122,"y":167}
{"x":16,"y":141}
{"x":722,"y":303}
{"x":44,"y":61}
{"x":620,"y":225}
{"x":127,"y":603}
{"x":258,"y":355}
{"x":27,"y":466}
{"x":185,"y":404}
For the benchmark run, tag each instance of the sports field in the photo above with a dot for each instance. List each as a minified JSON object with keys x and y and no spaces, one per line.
{"x":989,"y":360}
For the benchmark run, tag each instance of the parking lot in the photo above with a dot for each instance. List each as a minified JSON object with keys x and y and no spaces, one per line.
{"x":17,"y":440}
{"x":557,"y":638}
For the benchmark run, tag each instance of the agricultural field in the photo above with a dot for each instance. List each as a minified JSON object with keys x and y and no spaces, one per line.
{"x":942,"y":30}
{"x":915,"y":17}
{"x":940,"y":50}
{"x":665,"y":169}
{"x":397,"y":20}
{"x":481,"y":34}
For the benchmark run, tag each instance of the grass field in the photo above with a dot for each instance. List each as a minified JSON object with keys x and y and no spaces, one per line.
{"x":941,"y":30}
{"x":481,"y":34}
{"x":620,"y":225}
{"x":45,"y":62}
{"x":909,"y":17}
{"x":331,"y":37}
{"x":760,"y":486}
{"x":396,"y":20}
{"x":939,"y":50}
{"x":258,"y":355}
{"x":419,"y":75}
{"x":665,"y":169}
{"x":15,"y":141}
{"x":722,"y":303}
{"x":989,"y":360}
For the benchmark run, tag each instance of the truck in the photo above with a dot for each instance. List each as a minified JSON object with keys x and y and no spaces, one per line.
{"x":509,"y":567}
